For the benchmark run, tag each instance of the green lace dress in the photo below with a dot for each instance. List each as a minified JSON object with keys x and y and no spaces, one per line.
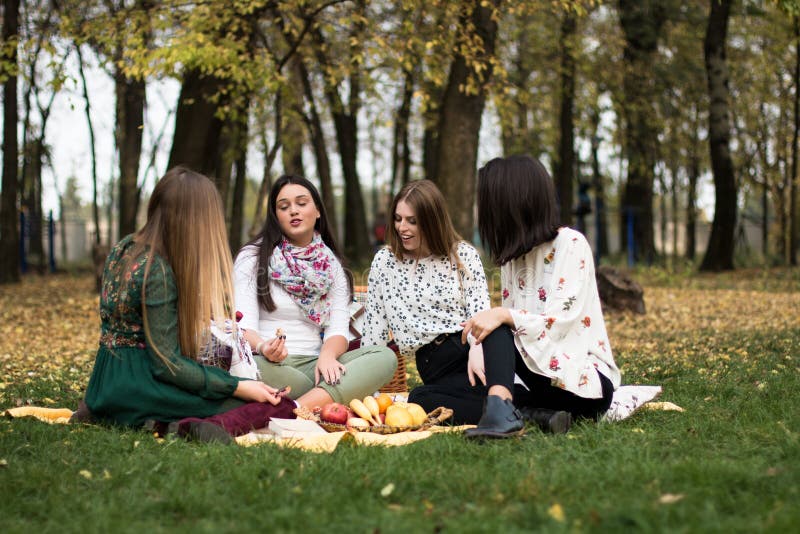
{"x":130,"y":384}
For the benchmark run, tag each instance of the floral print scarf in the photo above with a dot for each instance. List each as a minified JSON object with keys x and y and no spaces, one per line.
{"x":305,"y":273}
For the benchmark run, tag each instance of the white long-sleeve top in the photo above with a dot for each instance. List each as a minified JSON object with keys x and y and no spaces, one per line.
{"x":419,"y":299}
{"x":552,"y":295}
{"x":303,"y":336}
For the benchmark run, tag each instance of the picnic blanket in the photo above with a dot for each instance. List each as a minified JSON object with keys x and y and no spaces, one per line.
{"x":627,"y":400}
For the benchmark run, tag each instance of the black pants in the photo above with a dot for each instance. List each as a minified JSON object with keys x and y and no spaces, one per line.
{"x":445,"y":366}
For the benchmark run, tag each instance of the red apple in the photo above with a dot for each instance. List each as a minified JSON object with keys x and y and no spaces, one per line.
{"x":333,"y":412}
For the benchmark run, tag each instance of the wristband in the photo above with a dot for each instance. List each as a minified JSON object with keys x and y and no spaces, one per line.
{"x":258,"y":347}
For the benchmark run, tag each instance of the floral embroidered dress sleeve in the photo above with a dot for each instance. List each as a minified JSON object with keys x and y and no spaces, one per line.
{"x":130,"y":383}
{"x":558,"y":321}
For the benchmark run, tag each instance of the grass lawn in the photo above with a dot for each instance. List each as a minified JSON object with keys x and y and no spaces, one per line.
{"x":726,"y":348}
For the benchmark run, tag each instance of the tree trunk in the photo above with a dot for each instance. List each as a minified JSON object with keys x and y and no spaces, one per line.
{"x":641,"y":22}
{"x":430,"y":136}
{"x":293,"y":135}
{"x":601,"y":222}
{"x":198,"y":131}
{"x":565,"y":162}
{"x":515,"y":133}
{"x":35,"y":152}
{"x":92,"y":153}
{"x":719,"y":253}
{"x":662,"y":208}
{"x":269,"y":159}
{"x":356,"y":238}
{"x":9,"y":230}
{"x":130,"y":121}
{"x":460,"y":119}
{"x":237,"y":200}
{"x":31,"y":201}
{"x":794,"y":223}
{"x":674,"y":209}
{"x":401,"y":152}
{"x":765,"y":218}
{"x":320,"y":147}
{"x":691,"y":202}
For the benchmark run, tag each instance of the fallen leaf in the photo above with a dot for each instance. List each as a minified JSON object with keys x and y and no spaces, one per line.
{"x":556,"y":512}
{"x":665,"y":406}
{"x":85,"y":474}
{"x":387,"y":490}
{"x":670,"y":498}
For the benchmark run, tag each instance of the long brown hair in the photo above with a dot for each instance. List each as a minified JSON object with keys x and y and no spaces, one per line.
{"x":433,"y":220}
{"x":186,"y":226}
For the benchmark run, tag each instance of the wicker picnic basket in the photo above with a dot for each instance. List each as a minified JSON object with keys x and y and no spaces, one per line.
{"x":437,"y":416}
{"x":398,"y":383}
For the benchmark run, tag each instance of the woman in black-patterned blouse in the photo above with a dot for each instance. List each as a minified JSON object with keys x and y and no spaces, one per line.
{"x":422,"y":287}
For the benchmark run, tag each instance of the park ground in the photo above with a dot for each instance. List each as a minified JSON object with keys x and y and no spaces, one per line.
{"x":725,"y":348}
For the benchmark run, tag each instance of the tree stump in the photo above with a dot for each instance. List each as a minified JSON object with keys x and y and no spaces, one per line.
{"x":99,"y":255}
{"x":618,"y":291}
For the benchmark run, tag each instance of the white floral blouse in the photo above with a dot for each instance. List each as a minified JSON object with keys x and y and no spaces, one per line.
{"x":559,"y":328}
{"x":419,"y":299}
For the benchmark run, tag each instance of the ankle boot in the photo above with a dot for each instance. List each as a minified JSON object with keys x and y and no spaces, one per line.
{"x":199,"y":430}
{"x":500,"y":420}
{"x":552,"y":421}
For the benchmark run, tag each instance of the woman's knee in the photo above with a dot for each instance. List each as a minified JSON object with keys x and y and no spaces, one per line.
{"x":382,"y":361}
{"x":500,"y":335}
{"x":281,"y":375}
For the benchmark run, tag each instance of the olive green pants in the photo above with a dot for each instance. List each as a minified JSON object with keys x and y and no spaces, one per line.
{"x":367,"y":369}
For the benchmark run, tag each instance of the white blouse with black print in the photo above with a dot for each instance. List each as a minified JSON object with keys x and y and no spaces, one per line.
{"x":560,"y":332}
{"x":419,"y":299}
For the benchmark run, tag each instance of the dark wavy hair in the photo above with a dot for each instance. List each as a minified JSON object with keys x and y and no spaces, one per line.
{"x":271,"y":235}
{"x":517,"y":207}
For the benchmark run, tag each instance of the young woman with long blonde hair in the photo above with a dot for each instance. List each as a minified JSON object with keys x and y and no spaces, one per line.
{"x":162,"y":287}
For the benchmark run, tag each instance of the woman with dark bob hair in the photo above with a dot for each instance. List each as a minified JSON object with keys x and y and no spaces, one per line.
{"x":549,"y":331}
{"x":293,"y":293}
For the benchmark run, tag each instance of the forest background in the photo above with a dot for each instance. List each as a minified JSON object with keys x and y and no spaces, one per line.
{"x":635,"y":106}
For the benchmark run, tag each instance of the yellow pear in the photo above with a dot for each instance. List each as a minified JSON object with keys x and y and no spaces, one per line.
{"x":398,"y":416}
{"x":417,"y":413}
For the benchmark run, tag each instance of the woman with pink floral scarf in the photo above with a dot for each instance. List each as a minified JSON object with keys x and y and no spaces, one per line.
{"x":294,"y":294}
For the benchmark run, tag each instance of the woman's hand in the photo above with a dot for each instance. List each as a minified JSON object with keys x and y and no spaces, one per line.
{"x":255,"y":391}
{"x":475,"y":364}
{"x":274,"y":350}
{"x":484,"y":323}
{"x":328,"y":369}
